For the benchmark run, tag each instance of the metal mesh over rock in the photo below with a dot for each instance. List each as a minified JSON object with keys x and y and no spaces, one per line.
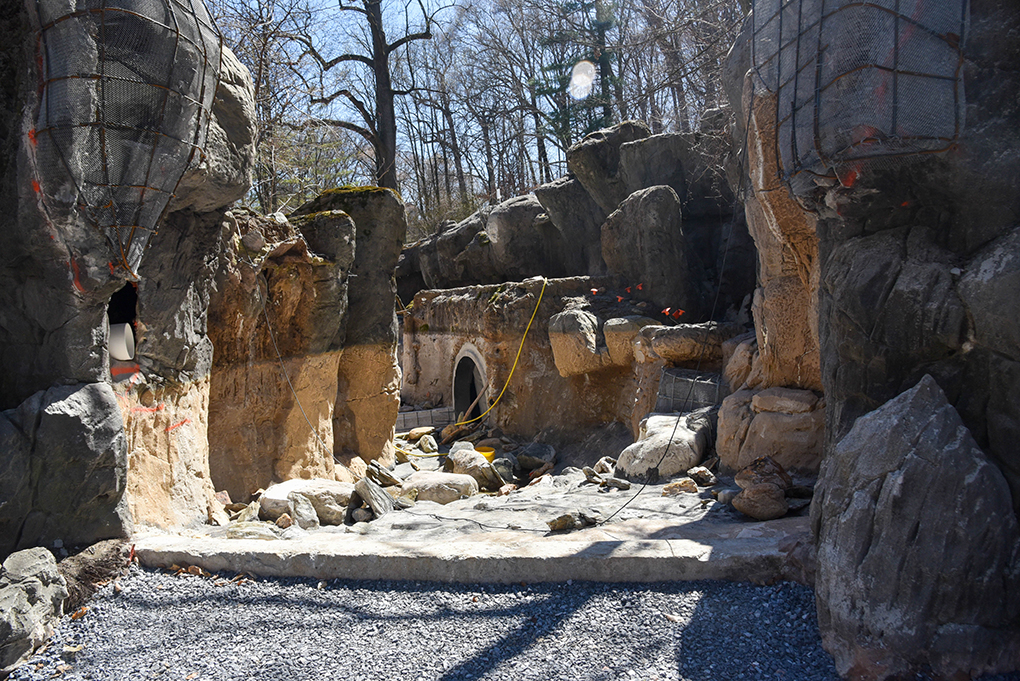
{"x":125,"y":101}
{"x":858,"y":84}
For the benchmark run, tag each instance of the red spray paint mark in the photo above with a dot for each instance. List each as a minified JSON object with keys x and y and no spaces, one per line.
{"x":36,"y":187}
{"x":149,"y":410}
{"x":121,"y":371}
{"x":77,"y":276}
{"x":177,"y":425}
{"x":32,"y":137}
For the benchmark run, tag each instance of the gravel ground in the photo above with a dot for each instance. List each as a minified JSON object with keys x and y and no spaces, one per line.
{"x":155,"y":625}
{"x":188,"y":628}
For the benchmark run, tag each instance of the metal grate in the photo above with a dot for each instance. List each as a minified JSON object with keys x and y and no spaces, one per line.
{"x":126,"y":97}
{"x":859,"y":83}
{"x":684,"y":390}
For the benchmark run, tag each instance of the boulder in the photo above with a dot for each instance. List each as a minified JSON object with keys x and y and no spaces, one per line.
{"x":784,"y":400}
{"x":643,"y":242}
{"x":578,"y":219}
{"x":918,"y":546}
{"x":329,"y":498}
{"x":439,"y":487}
{"x":684,"y":343}
{"x":65,"y":468}
{"x":470,"y":462}
{"x":666,"y":446}
{"x":783,"y":423}
{"x":620,"y":333}
{"x":535,"y":455}
{"x":574,"y":336}
{"x":595,"y":162}
{"x":32,"y":594}
{"x":373,"y":495}
{"x":735,"y":416}
{"x":762,"y":501}
{"x":522,"y":241}
{"x":303,"y":511}
{"x":761,"y":471}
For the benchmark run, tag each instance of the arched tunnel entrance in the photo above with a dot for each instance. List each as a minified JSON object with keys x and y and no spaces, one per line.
{"x":468,"y":384}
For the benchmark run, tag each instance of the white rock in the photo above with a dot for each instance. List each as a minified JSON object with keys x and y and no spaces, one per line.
{"x":329,"y":498}
{"x":441,"y":488}
{"x":683,"y":449}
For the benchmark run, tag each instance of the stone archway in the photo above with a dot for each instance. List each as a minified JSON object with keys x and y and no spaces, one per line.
{"x":468,"y":382}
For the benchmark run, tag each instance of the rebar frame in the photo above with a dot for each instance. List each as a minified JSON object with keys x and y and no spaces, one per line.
{"x":126,"y":96}
{"x":859,"y":84}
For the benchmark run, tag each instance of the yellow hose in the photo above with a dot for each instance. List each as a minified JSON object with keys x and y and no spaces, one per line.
{"x":528,"y":328}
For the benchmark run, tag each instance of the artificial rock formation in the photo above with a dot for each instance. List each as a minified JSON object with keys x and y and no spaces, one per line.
{"x":277,"y":321}
{"x":32,"y":594}
{"x":918,"y":546}
{"x":368,"y":384}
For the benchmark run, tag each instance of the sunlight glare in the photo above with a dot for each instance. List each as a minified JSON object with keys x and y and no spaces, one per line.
{"x":582,"y":77}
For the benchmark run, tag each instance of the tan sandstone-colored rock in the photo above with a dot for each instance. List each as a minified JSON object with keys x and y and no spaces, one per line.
{"x":690,"y":342}
{"x":471,"y":462}
{"x":329,"y":498}
{"x":441,"y":488}
{"x":681,"y":486}
{"x":735,"y":416}
{"x":619,"y":334}
{"x":792,"y":440}
{"x":738,"y":357}
{"x":574,"y":335}
{"x":786,"y":400}
{"x":764,"y":501}
{"x":365,"y":420}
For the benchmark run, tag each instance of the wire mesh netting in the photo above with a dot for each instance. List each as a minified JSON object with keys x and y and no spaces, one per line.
{"x":126,"y":97}
{"x":858,"y":84}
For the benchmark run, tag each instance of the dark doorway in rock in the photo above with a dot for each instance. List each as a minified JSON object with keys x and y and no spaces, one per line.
{"x":123,"y":305}
{"x":468,"y":383}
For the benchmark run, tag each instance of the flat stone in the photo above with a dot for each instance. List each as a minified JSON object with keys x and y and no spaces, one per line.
{"x":441,"y":488}
{"x":784,"y":400}
{"x":375,"y":496}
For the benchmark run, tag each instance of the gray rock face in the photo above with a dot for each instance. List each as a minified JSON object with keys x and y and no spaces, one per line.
{"x":643,"y":242}
{"x":595,"y":162}
{"x":65,"y":468}
{"x":918,"y":545}
{"x":223,"y":174}
{"x":32,"y":594}
{"x":578,"y":219}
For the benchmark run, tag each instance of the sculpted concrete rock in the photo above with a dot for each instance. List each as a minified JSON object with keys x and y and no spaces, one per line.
{"x":223,"y":172}
{"x":522,"y":240}
{"x":67,"y":470}
{"x":576,"y":342}
{"x":783,"y":423}
{"x":643,"y":241}
{"x":764,"y":501}
{"x":32,"y":594}
{"x":918,"y":546}
{"x":595,"y":162}
{"x":620,"y":334}
{"x":665,"y":447}
{"x":368,"y":384}
{"x":738,"y":357}
{"x":578,"y":219}
{"x":441,"y":488}
{"x":687,"y":342}
{"x":299,"y":280}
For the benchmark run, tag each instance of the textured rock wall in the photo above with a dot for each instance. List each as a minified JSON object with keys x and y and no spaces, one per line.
{"x":58,"y":276}
{"x":277,"y":320}
{"x":368,"y":384}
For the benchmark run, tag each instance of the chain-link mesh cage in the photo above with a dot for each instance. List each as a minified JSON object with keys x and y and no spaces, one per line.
{"x":126,"y":96}
{"x":858,"y":84}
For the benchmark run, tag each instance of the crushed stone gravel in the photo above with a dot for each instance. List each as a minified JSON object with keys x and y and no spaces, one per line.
{"x":152,"y":624}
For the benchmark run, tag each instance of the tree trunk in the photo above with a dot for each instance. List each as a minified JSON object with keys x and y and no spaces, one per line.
{"x":385,"y":142}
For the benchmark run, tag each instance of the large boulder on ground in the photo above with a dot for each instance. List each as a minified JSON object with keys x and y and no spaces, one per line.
{"x":329,"y":498}
{"x":595,"y":162}
{"x":918,"y":546}
{"x":32,"y":594}
{"x":65,"y":468}
{"x":643,"y":242}
{"x":439,"y":487}
{"x":667,"y":445}
{"x":576,"y":342}
{"x":471,"y":462}
{"x":784,"y":423}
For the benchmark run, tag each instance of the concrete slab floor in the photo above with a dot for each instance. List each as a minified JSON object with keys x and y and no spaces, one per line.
{"x":486,"y":538}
